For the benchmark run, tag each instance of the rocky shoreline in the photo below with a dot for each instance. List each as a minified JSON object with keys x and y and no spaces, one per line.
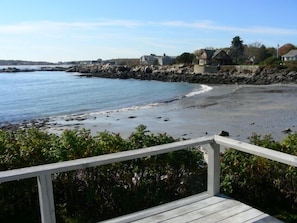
{"x":15,"y":70}
{"x":182,"y":73}
{"x":174,"y":73}
{"x":34,"y":123}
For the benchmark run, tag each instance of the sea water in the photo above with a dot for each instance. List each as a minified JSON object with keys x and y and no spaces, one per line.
{"x":40,"y":94}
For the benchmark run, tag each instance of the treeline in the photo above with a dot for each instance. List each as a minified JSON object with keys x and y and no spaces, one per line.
{"x":240,"y":53}
{"x":99,"y":193}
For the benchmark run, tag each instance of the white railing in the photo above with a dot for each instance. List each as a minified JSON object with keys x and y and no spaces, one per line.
{"x":43,"y":172}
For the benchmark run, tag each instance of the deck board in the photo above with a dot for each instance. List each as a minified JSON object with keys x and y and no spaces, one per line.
{"x":199,"y":208}
{"x":181,"y":211}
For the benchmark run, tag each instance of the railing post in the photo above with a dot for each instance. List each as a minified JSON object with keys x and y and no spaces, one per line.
{"x":213,"y":175}
{"x":46,"y":199}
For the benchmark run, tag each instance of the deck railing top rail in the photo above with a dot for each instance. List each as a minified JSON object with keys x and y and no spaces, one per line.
{"x":34,"y":171}
{"x":257,"y":150}
{"x":44,"y":172}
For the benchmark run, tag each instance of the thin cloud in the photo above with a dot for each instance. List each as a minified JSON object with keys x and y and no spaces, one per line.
{"x":29,"y":27}
{"x":209,"y":25}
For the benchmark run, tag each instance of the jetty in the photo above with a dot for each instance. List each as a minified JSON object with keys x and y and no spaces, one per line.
{"x":209,"y":206}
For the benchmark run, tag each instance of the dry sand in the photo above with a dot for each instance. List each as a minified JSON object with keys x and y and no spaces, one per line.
{"x":239,"y":110}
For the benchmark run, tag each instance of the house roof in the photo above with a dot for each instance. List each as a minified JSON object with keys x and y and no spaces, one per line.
{"x":217,"y":52}
{"x":291,"y":53}
{"x":209,"y":53}
{"x":213,"y":53}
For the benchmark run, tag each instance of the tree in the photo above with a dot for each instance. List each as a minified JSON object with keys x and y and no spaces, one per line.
{"x":236,"y":49}
{"x":186,"y":58}
{"x":257,"y":52}
{"x":285,"y":48}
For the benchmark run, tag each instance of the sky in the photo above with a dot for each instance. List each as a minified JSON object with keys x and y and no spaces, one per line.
{"x":69,"y":30}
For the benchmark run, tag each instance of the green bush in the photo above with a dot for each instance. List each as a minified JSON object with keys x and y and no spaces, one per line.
{"x":97,"y":193}
{"x":268,"y":185}
{"x":290,"y":65}
{"x":271,"y":61}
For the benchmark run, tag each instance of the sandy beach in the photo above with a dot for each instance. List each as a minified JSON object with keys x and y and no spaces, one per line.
{"x":240,"y":110}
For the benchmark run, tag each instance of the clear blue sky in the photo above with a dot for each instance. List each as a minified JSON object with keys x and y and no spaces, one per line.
{"x":63,"y":30}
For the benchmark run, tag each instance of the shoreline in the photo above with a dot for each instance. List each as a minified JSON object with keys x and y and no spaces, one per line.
{"x":174,"y":73}
{"x":246,"y":109}
{"x":182,"y":73}
{"x":12,"y":69}
{"x":192,"y":117}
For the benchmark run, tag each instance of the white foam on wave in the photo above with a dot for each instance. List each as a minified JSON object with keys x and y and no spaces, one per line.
{"x":204,"y":88}
{"x":90,"y":115}
{"x":125,"y":109}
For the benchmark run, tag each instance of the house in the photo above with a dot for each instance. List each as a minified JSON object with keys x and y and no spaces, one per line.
{"x":156,"y":60}
{"x":213,"y":57}
{"x":220,"y":57}
{"x":204,"y":56}
{"x":290,"y":56}
{"x":148,"y":60}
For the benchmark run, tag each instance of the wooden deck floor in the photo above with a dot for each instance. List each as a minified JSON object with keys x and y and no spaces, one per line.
{"x":199,"y":208}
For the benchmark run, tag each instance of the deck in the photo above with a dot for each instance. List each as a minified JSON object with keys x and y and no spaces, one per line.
{"x":210,"y":206}
{"x":199,"y":208}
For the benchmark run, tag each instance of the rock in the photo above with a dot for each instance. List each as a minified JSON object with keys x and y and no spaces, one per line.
{"x":287,"y":131}
{"x":148,"y":70}
{"x":178,"y":73}
{"x":224,"y":133}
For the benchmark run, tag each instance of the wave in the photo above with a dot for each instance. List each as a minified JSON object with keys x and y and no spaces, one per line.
{"x":204,"y":88}
{"x":138,"y":107}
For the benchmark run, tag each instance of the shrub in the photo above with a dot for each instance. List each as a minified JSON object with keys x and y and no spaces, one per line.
{"x":290,"y":65}
{"x":97,"y":193}
{"x":268,"y":185}
{"x":271,"y":61}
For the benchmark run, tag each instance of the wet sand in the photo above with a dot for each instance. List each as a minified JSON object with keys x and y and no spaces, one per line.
{"x":239,"y":110}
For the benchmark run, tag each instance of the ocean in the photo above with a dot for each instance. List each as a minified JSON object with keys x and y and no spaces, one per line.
{"x":41,"y":94}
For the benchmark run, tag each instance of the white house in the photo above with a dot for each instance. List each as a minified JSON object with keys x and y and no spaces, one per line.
{"x":156,"y":60}
{"x":149,"y":59}
{"x":290,"y":56}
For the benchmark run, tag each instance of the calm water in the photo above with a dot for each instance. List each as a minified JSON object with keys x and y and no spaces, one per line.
{"x":29,"y":95}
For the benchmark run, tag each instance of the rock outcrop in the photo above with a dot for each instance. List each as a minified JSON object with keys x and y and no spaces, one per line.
{"x":16,"y":70}
{"x":181,"y":73}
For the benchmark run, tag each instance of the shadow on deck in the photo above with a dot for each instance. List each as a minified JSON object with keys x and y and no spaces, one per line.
{"x":199,"y":208}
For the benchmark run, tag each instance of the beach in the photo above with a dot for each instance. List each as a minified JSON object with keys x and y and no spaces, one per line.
{"x":241,"y":110}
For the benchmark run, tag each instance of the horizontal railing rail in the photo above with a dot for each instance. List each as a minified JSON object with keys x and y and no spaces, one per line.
{"x":29,"y":172}
{"x":257,"y":150}
{"x":43,"y":173}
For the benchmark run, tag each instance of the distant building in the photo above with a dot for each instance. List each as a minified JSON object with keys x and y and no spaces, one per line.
{"x":156,"y":60}
{"x":213,"y":57}
{"x":110,"y":62}
{"x":290,"y":56}
{"x":148,"y":60}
